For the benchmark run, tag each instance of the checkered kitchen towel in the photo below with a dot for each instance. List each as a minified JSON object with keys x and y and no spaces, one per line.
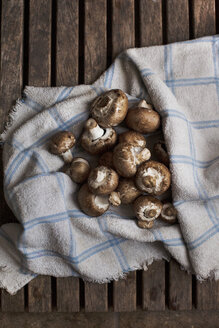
{"x":54,"y":237}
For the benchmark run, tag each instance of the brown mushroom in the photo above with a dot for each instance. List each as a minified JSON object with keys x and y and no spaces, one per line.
{"x":142,"y":118}
{"x":133,"y":137}
{"x":61,"y":143}
{"x":114,"y":198}
{"x":160,"y":152}
{"x":107,"y":159}
{"x":110,"y":108}
{"x":147,"y":209}
{"x":96,"y":140}
{"x":90,"y":204}
{"x":126,"y":157}
{"x":168,"y":213}
{"x":103,"y":180}
{"x":153,"y":177}
{"x":128,"y":191}
{"x":79,"y":170}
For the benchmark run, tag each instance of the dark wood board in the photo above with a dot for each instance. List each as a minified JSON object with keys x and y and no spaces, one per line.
{"x":67,"y":29}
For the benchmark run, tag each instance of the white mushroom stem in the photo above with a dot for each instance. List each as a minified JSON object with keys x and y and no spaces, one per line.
{"x":114,"y":198}
{"x":101,"y":176}
{"x":67,"y":156}
{"x":101,"y":202}
{"x":142,"y":156}
{"x":144,"y":104}
{"x":94,"y":129}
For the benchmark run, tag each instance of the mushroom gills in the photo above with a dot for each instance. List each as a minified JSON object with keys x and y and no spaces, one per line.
{"x":149,"y":212}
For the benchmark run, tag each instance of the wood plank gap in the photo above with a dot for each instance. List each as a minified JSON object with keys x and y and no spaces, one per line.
{"x":82,"y":294}
{"x":53,"y":42}
{"x":217,"y":15}
{"x":26,"y":302}
{"x":139,"y":296}
{"x":81,"y":43}
{"x":191,"y":20}
{"x":110,"y":295}
{"x":137,"y":23}
{"x":26,"y":42}
{"x":167,"y":274}
{"x":164,"y":21}
{"x":53,"y":294}
{"x":194,"y":291}
{"x":109,"y":32}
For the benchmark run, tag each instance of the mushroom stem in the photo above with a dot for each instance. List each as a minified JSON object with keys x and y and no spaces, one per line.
{"x":144,"y":104}
{"x":143,"y":156}
{"x":67,"y":156}
{"x":94,"y":129}
{"x":114,"y":198}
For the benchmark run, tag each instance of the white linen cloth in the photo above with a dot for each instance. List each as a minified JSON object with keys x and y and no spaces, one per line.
{"x":54,"y":237}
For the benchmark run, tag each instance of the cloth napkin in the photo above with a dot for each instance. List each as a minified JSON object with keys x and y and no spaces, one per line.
{"x":53,"y":237}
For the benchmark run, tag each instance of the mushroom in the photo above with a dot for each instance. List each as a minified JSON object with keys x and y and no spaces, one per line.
{"x":107,"y":159}
{"x":160,"y":152}
{"x":153,"y":177}
{"x":133,"y":137}
{"x":110,"y":108}
{"x":103,"y":180}
{"x":142,"y":118}
{"x":90,"y":204}
{"x":61,"y":143}
{"x":128,"y":191}
{"x":114,"y":198}
{"x":147,"y":209}
{"x":79,"y":170}
{"x":126,"y":157}
{"x":168,"y":213}
{"x":96,"y":140}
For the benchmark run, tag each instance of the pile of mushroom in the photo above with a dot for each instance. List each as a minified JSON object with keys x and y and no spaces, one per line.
{"x":125,"y":173}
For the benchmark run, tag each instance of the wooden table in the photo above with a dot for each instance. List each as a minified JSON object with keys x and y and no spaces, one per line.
{"x":66,"y":42}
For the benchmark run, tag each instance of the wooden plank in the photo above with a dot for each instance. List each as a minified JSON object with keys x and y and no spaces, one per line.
{"x":179,"y":282}
{"x":67,"y":289}
{"x":123,"y":25}
{"x":10,"y":88}
{"x":177,"y":20}
{"x":203,"y":17}
{"x":151,"y":33}
{"x":150,"y":14}
{"x":124,"y":293}
{"x":39,"y":74}
{"x":180,"y":288}
{"x":123,"y":37}
{"x":153,"y":288}
{"x":204,"y":23}
{"x":95,"y":56}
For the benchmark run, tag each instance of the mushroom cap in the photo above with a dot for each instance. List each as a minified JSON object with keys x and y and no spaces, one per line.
{"x":168,"y":213}
{"x":124,"y":160}
{"x":147,"y":208}
{"x":145,"y":224}
{"x":128,"y":191}
{"x":79,"y":170}
{"x":143,"y":120}
{"x":110,"y":108}
{"x":160,"y":152}
{"x":99,"y":145}
{"x":90,"y":204}
{"x":103,"y":180}
{"x":134,"y":138}
{"x":62,"y":142}
{"x":107,"y":159}
{"x":153,"y":177}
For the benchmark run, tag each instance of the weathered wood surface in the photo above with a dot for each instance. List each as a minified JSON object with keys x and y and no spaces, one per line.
{"x":139,"y":319}
{"x":66,"y":42}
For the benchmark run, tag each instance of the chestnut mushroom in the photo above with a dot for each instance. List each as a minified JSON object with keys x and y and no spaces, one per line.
{"x":128,"y":191}
{"x":107,"y":159}
{"x":168,"y":213}
{"x":61,"y":143}
{"x":160,"y":152}
{"x":79,"y":170}
{"x":153,"y":177}
{"x":133,"y":137}
{"x":147,"y":209}
{"x":96,"y":140}
{"x":142,"y":118}
{"x":90,"y":204}
{"x":103,"y":180}
{"x":110,"y":108}
{"x":126,"y":157}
